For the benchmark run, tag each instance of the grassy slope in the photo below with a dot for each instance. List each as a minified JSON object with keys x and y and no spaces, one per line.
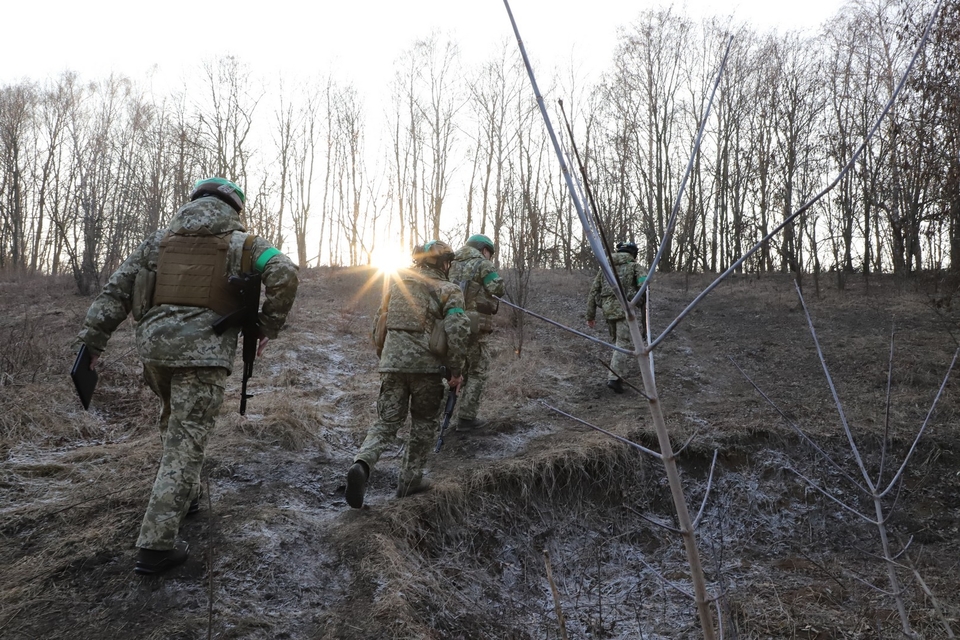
{"x":291,"y":560}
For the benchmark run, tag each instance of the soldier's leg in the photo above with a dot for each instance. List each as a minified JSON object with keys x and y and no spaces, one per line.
{"x":426,"y":396}
{"x":392,"y":406}
{"x":620,"y":362}
{"x":468,"y":403}
{"x":196,"y":395}
{"x":158,"y":379}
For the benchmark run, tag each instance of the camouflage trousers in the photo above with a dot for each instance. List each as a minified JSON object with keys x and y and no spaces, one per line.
{"x":421,"y":394}
{"x":191,"y":399}
{"x":478,"y":364}
{"x":621,"y":363}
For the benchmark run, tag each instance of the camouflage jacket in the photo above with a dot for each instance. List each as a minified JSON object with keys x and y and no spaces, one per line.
{"x":181,"y":336}
{"x":469,"y":265}
{"x":418,"y":298}
{"x":602,"y":295}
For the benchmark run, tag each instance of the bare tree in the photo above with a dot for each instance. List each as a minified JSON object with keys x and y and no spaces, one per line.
{"x":349,"y":132}
{"x":649,"y":71}
{"x":162,"y":173}
{"x":798,"y":105}
{"x":90,"y":132}
{"x":224,"y":124}
{"x":524,"y":218}
{"x":407,"y":133}
{"x":942,"y":80}
{"x":725,"y":234}
{"x":286,"y":124}
{"x":441,"y":98}
{"x":16,"y":112}
{"x":495,"y":95}
{"x":303,"y":164}
{"x":51,"y":124}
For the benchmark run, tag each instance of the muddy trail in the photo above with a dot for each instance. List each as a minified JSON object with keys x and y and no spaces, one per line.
{"x":276,"y":552}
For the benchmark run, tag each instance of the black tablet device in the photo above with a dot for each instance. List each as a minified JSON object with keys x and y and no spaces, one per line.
{"x":84,"y":378}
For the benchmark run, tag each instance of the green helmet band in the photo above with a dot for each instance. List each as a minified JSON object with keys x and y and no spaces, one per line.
{"x":434,"y":252}
{"x":220,"y":188}
{"x":480,"y":242}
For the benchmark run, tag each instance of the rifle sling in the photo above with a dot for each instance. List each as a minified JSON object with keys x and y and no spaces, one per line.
{"x":246,"y":258}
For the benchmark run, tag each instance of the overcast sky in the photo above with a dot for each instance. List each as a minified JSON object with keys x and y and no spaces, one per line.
{"x":358,"y":39}
{"x":163,"y":42}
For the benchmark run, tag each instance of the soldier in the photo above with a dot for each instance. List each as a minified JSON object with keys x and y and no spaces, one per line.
{"x":477,"y":277}
{"x":175,"y":284}
{"x":602,"y":294}
{"x":420,"y":305}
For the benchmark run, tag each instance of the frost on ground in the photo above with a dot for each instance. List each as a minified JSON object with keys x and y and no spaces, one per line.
{"x":276,"y":553}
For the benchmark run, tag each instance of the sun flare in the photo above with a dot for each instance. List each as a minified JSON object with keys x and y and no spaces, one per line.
{"x":389,"y":260}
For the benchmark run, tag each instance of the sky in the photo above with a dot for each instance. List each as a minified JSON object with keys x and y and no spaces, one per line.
{"x":357,"y":39}
{"x":160,"y":44}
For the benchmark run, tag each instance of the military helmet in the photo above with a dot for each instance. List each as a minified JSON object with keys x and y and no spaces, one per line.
{"x":480,"y":242}
{"x":627,"y":247}
{"x":434,"y":252}
{"x":220,"y":188}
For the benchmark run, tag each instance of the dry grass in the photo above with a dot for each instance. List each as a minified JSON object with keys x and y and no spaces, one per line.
{"x":465,"y":560}
{"x":425,"y":556}
{"x":286,"y":424}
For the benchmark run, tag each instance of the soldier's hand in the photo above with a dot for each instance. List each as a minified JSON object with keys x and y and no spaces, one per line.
{"x":591,"y":323}
{"x":455,"y":383}
{"x":262,"y":344}
{"x":93,"y":361}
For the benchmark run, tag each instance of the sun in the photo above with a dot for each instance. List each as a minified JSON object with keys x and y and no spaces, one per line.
{"x":388,"y":260}
{"x":384,"y":267}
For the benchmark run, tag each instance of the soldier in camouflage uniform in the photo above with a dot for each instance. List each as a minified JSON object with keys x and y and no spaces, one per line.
{"x":631,"y":276}
{"x":477,"y":277}
{"x":411,"y":378}
{"x":185,"y":362}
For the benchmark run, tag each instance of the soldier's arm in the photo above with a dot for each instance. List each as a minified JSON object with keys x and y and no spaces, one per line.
{"x":592,"y":298}
{"x":631,"y":280}
{"x":641,"y":278}
{"x":114,"y":303}
{"x":490,"y":279}
{"x":280,"y":282}
{"x":457,"y":326}
{"x":641,"y":274}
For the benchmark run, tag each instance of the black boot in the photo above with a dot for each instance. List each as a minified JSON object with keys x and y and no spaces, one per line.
{"x":616,"y":385}
{"x":357,"y":483}
{"x":154,"y":561}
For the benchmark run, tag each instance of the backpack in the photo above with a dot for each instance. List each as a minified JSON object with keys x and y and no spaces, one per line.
{"x":438,"y":334}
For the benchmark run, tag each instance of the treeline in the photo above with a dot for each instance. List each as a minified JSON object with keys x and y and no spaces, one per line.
{"x":87,"y":169}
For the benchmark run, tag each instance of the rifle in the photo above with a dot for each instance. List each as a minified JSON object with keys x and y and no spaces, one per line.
{"x":247,"y":317}
{"x":447,"y":414}
{"x":447,"y":411}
